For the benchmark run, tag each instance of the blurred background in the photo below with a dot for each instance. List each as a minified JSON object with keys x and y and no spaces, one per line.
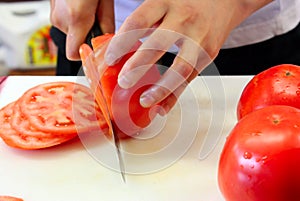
{"x":26,"y":47}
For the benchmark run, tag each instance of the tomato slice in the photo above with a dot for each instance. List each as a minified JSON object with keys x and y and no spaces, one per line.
{"x":99,"y":41}
{"x":50,"y":114}
{"x":20,"y":123}
{"x":62,"y":108}
{"x":9,"y":198}
{"x":31,"y":139}
{"x":6,"y":130}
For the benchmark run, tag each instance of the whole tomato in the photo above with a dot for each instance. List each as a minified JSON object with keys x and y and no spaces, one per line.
{"x":260,"y":160}
{"x":278,"y":85}
{"x":124,"y":105}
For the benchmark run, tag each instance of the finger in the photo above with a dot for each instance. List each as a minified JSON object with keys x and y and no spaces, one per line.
{"x":148,"y":14}
{"x":106,"y":16}
{"x":168,"y":103}
{"x":58,"y":7}
{"x":52,"y":4}
{"x":170,"y":80}
{"x":149,"y":52}
{"x":183,"y":66}
{"x":77,"y":33}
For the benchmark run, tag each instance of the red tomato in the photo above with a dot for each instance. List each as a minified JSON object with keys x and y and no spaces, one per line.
{"x":9,"y":198}
{"x":124,"y":105}
{"x":260,"y":159}
{"x":49,"y":114}
{"x":279,"y":85}
{"x":61,"y":107}
{"x":30,"y":138}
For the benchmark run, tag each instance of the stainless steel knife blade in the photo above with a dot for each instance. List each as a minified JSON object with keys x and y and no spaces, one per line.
{"x":93,"y":75}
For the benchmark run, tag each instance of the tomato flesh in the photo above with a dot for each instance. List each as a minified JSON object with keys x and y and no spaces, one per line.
{"x":60,"y":107}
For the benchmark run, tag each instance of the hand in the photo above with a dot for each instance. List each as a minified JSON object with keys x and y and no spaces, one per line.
{"x":198,"y":28}
{"x":76,"y":17}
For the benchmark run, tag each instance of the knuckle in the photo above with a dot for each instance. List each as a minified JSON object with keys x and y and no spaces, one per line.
{"x":135,"y":21}
{"x":189,"y":14}
{"x":74,"y":15}
{"x":56,"y":20}
{"x":161,"y":92}
{"x":183,"y":68}
{"x":53,"y":20}
{"x":212,"y":50}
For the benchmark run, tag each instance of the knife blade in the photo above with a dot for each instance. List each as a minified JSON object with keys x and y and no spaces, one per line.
{"x":92,"y":74}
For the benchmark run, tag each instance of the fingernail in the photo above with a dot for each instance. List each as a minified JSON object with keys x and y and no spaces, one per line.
{"x":147,"y":100}
{"x":110,"y":59}
{"x":124,"y":82}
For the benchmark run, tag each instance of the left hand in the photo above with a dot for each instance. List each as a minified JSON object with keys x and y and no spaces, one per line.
{"x":198,"y":28}
{"x":76,"y":17}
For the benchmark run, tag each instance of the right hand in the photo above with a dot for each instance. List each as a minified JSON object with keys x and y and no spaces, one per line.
{"x":198,"y":27}
{"x":76,"y":17}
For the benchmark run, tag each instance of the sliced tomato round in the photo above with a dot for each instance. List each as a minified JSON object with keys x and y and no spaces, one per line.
{"x":20,"y":123}
{"x":62,"y":108}
{"x":9,"y":198}
{"x":31,"y":139}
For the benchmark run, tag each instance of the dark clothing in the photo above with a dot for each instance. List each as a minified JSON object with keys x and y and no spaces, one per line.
{"x":63,"y":66}
{"x":252,"y":59}
{"x":245,"y":60}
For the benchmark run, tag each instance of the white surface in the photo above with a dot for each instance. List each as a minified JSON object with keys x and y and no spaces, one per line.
{"x":69,"y":173}
{"x":16,"y":30}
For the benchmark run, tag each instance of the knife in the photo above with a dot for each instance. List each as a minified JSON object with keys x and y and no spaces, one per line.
{"x":92,"y":74}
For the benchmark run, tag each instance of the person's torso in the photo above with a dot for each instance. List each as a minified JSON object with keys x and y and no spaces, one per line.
{"x":278,"y":17}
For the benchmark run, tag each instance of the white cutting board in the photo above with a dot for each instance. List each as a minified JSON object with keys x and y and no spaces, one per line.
{"x":167,"y":166}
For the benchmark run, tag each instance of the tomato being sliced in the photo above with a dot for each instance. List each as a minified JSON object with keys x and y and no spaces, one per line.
{"x":260,"y":159}
{"x":279,"y":85}
{"x":61,"y":108}
{"x":124,"y":105}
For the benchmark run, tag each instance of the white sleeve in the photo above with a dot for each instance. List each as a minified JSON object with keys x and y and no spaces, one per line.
{"x":276,"y":18}
{"x":123,"y":8}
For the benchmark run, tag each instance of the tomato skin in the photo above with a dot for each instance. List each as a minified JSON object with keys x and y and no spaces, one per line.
{"x":278,"y":85}
{"x":260,"y":159}
{"x":124,"y":106}
{"x":128,"y":114}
